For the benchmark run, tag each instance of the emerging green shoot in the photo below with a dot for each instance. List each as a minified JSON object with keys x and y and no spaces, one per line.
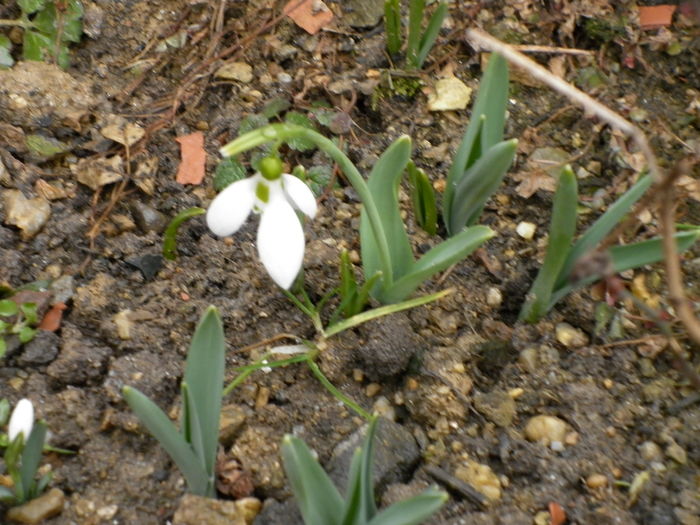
{"x":193,"y":447}
{"x":321,"y":503}
{"x":419,"y":41}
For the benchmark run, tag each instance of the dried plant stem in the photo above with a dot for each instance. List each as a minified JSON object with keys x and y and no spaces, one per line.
{"x":674,"y":276}
{"x":482,"y":40}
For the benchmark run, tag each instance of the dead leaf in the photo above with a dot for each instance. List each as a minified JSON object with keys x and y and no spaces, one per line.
{"x":123,"y":133}
{"x":655,"y":16}
{"x":191,"y":170}
{"x":96,"y":172}
{"x":52,"y":320}
{"x":310,"y":15}
{"x":690,"y":186}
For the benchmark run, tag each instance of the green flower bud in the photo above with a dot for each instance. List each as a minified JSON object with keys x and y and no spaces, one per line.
{"x":262,"y":192}
{"x":270,"y":167}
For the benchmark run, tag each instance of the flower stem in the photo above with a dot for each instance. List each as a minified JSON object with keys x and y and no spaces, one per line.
{"x":285,"y":132}
{"x":337,"y":393}
{"x":18,"y":23}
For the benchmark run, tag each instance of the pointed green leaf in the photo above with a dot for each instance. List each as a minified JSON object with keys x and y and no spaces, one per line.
{"x":561,"y":233}
{"x":383,"y":185}
{"x":490,"y":102}
{"x":319,"y":501}
{"x":415,"y":19}
{"x":431,"y":33}
{"x":423,"y":199}
{"x":204,"y":377}
{"x":191,"y":428}
{"x":392,"y":26}
{"x":478,"y":184}
{"x":604,"y":225}
{"x":31,"y":456}
{"x":169,"y":438}
{"x":631,"y":256}
{"x":412,"y":511}
{"x":437,"y":259}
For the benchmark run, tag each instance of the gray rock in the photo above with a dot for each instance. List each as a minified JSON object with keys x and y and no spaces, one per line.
{"x":80,"y":361}
{"x":395,"y":455}
{"x":147,"y":218}
{"x":146,"y":371}
{"x":279,"y":513}
{"x":362,"y":13}
{"x":41,"y":350}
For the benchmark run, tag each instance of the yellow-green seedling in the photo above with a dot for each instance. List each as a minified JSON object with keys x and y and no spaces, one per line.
{"x":193,"y":446}
{"x":49,"y":27}
{"x":321,"y":503}
{"x":553,"y":282}
{"x":17,"y":319}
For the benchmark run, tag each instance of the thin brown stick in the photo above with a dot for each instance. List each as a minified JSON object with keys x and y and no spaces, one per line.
{"x":674,"y":275}
{"x":482,"y":40}
{"x":553,"y":50}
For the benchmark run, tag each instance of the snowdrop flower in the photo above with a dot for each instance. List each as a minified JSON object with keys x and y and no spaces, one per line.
{"x":21,"y":421}
{"x":275,"y":195}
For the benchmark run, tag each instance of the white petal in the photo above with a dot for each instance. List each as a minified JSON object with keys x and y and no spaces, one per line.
{"x":281,"y":241}
{"x":301,"y":197}
{"x":21,"y":421}
{"x":229,"y":210}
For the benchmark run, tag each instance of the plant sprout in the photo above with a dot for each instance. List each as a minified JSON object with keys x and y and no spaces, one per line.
{"x":320,"y":501}
{"x":418,"y":42}
{"x":553,"y":280}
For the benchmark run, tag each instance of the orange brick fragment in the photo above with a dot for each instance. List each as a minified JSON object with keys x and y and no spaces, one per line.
{"x":656,"y":16}
{"x":310,"y":15}
{"x":191,"y":170}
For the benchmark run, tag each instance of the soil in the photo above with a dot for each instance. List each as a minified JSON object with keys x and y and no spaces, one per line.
{"x":459,"y":379}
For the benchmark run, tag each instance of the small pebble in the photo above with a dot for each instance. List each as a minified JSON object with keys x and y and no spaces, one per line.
{"x":358,"y":375}
{"x":677,"y":453}
{"x":383,"y":408}
{"x":482,"y":478}
{"x":546,"y":429}
{"x":526,"y":230}
{"x":596,"y":481}
{"x":494,"y":297}
{"x":570,"y":337}
{"x":239,"y":71}
{"x":650,"y":451}
{"x":372,"y":389}
{"x":39,"y":509}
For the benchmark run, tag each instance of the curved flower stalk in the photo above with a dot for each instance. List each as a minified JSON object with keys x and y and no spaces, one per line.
{"x":275,"y":196}
{"x":383,"y":238}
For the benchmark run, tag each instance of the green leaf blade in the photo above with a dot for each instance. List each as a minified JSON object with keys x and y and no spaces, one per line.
{"x":383,"y":186}
{"x":319,"y":501}
{"x":204,"y":377}
{"x":561,"y":233}
{"x":412,"y":511}
{"x":437,"y":259}
{"x":31,"y":456}
{"x":478,"y":183}
{"x":431,"y":33}
{"x":160,"y":427}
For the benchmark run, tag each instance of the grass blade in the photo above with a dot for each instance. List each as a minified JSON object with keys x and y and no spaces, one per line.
{"x":479,"y":182}
{"x":601,"y":227}
{"x":561,"y":233}
{"x":204,"y":377}
{"x":169,"y":438}
{"x":431,"y":33}
{"x":437,"y":259}
{"x":31,"y":457}
{"x":319,"y":501}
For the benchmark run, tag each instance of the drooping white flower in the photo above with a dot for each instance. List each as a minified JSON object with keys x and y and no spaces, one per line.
{"x":275,"y":195}
{"x":21,"y":420}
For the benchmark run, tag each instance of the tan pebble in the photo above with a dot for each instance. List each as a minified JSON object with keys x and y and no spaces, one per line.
{"x":610,"y":431}
{"x":494,"y":297}
{"x":526,"y":230}
{"x":546,"y":429}
{"x":571,"y":439}
{"x":569,"y":336}
{"x":542,"y":518}
{"x":202,"y":125}
{"x":528,"y":359}
{"x":456,"y":446}
{"x":650,"y":451}
{"x":677,"y":453}
{"x":354,"y":256}
{"x":515,"y":393}
{"x":262,"y":397}
{"x":373,"y":389}
{"x":482,"y":478}
{"x":459,"y":368}
{"x":596,"y":481}
{"x":358,"y":375}
{"x":16,"y":383}
{"x":608,"y":383}
{"x":616,"y":472}
{"x":249,"y":508}
{"x":411,"y":384}
{"x":439,"y":185}
{"x":39,"y":509}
